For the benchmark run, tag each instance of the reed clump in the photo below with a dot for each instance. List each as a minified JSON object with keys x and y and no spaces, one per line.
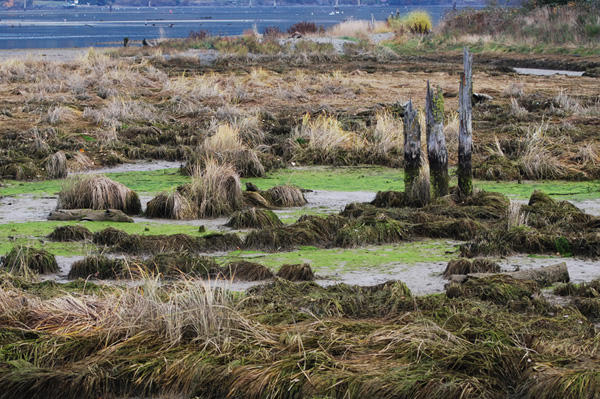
{"x":28,"y":261}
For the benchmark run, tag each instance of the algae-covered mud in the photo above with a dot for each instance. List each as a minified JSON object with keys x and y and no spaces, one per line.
{"x":271,"y":217}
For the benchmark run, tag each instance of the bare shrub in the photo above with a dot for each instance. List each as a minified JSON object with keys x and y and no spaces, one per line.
{"x":304,"y":28}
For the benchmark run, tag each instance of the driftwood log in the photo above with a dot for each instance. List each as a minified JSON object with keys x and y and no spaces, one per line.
{"x":92,"y":215}
{"x":544,"y":276}
{"x":465,"y":135}
{"x":437,"y":153}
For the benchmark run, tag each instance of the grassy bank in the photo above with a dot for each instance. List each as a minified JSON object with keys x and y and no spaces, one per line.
{"x":361,"y":178}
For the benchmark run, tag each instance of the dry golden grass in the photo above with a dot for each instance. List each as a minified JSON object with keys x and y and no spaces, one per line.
{"x":537,"y":160}
{"x":326,"y":133}
{"x":387,"y":134}
{"x":358,"y":28}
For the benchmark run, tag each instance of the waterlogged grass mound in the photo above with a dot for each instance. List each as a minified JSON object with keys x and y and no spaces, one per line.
{"x":496,"y":288}
{"x":467,"y":266}
{"x":246,"y":271}
{"x":98,"y":192}
{"x":253,"y":219}
{"x":298,"y":272}
{"x":544,"y":226}
{"x":70,"y":233}
{"x":584,"y":296}
{"x":120,"y":241}
{"x":169,"y":265}
{"x":98,"y":267}
{"x":28,"y":261}
{"x":109,"y":236}
{"x":284,"y":196}
{"x":171,"y":205}
{"x":292,"y":340}
{"x":308,"y":230}
{"x":305,"y":300}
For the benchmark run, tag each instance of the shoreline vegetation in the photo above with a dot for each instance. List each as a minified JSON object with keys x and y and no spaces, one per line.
{"x":147,"y":306}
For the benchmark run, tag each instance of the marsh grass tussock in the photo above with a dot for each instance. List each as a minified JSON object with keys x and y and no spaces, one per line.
{"x":325,"y":133}
{"x":98,"y":192}
{"x":121,"y":110}
{"x":387,"y":137}
{"x":227,"y":147}
{"x":537,"y":160}
{"x":70,"y":233}
{"x":253,"y":218}
{"x":216,"y":188}
{"x":171,"y":205}
{"x":56,"y":165}
{"x":285,"y":196}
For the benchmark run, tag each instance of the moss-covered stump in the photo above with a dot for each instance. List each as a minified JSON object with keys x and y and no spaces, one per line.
{"x":246,"y":271}
{"x":468,"y":266}
{"x":29,"y":261}
{"x":70,"y":233}
{"x":98,"y":192}
{"x":253,"y":219}
{"x":171,"y":205}
{"x":297,"y":272}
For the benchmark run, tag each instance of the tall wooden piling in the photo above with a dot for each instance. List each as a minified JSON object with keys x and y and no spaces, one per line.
{"x":416,"y":189}
{"x":465,"y":139}
{"x":437,"y":152}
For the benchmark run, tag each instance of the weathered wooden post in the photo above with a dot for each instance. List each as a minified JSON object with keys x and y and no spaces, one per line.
{"x":414,"y":187}
{"x":437,"y":152}
{"x":465,"y":139}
